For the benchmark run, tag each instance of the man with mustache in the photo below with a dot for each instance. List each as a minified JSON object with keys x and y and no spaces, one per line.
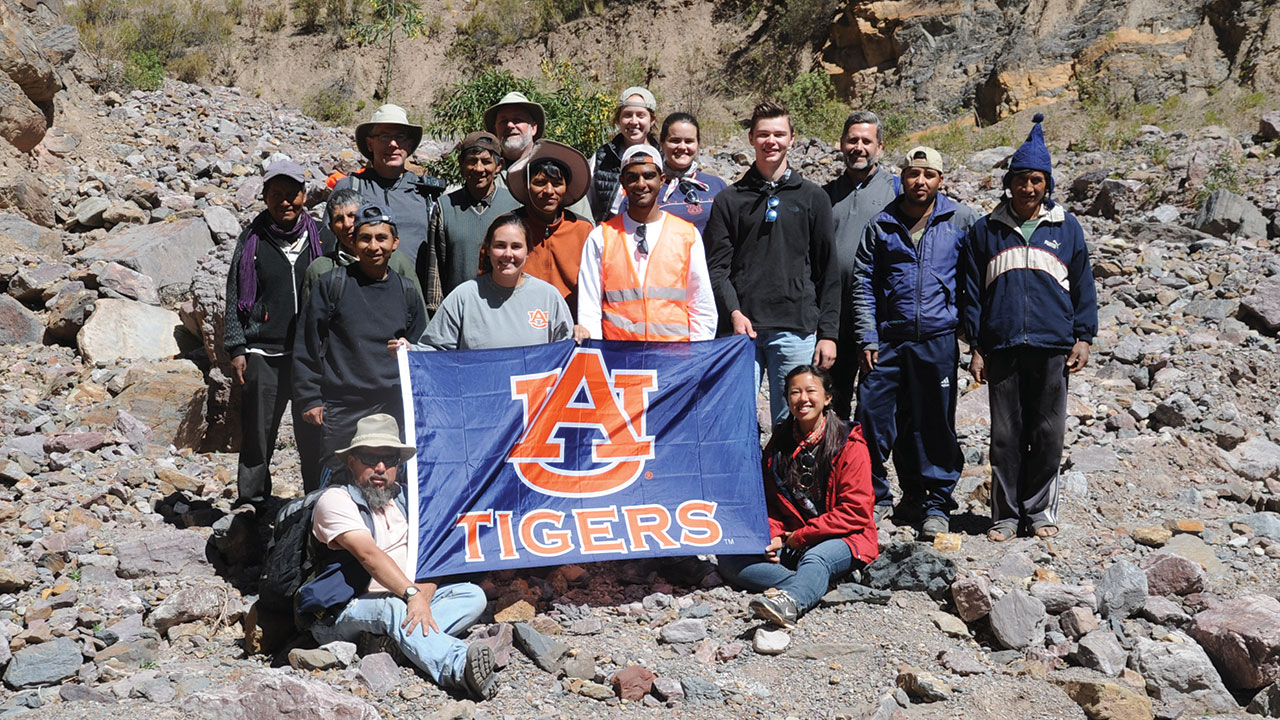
{"x":858,"y":195}
{"x":518,"y":123}
{"x":364,"y":580}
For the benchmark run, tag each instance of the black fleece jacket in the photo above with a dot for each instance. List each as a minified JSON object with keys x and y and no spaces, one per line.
{"x":783,"y":274}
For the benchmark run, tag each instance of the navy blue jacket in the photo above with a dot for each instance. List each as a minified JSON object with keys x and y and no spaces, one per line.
{"x":1035,"y":294}
{"x":905,"y":291}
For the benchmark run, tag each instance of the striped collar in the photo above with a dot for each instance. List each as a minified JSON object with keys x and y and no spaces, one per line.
{"x":1004,"y":214}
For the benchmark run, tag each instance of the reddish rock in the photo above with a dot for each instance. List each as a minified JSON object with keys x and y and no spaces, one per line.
{"x":632,"y":683}
{"x":69,"y":442}
{"x":972,"y":596}
{"x":1242,"y":636}
{"x":1169,"y":574}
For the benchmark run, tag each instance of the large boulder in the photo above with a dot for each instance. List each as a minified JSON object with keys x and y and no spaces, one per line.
{"x":23,"y":60}
{"x":168,"y":397}
{"x":272,"y":694}
{"x":1179,"y":675}
{"x":22,"y":124}
{"x":16,"y":232}
{"x":128,"y":330}
{"x":203,"y":315}
{"x":26,"y":193}
{"x":1224,"y":214}
{"x":1242,"y":636}
{"x":169,"y":552}
{"x":167,"y":252}
{"x":1263,"y":306}
{"x":43,"y":664}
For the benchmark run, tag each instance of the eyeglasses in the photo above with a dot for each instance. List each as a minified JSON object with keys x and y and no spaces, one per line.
{"x":372,"y":459}
{"x":771,"y":214}
{"x":641,"y":244}
{"x":399,"y":138}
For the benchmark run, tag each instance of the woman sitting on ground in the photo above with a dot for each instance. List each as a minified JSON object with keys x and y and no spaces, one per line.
{"x":817,"y":479}
{"x":501,"y":307}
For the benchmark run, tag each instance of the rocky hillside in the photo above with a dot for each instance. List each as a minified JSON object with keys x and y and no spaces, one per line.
{"x":126,"y":585}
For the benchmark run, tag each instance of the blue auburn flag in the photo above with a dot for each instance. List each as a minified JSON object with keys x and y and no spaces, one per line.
{"x":564,"y":453}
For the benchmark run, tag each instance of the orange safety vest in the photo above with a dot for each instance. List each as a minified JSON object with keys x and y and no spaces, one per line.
{"x":656,"y":309}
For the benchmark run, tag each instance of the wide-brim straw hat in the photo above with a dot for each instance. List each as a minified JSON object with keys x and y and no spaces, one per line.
{"x":378,"y":431}
{"x":576,"y":162}
{"x":387,"y":115}
{"x":517,"y":100}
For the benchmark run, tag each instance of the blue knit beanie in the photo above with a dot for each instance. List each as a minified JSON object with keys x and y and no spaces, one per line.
{"x":1033,"y":155}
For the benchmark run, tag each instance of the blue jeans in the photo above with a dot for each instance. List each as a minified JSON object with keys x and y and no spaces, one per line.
{"x":778,"y":352}
{"x":440,"y":655}
{"x":804,"y":574}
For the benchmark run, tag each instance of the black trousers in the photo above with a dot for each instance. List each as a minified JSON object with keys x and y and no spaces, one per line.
{"x":268,"y":383}
{"x":340,"y":420}
{"x":1028,"y":395}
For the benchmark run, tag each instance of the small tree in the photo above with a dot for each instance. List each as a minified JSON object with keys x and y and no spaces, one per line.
{"x":387,"y":19}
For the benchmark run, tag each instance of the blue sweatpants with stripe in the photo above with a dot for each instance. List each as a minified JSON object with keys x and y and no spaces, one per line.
{"x":907,"y":407}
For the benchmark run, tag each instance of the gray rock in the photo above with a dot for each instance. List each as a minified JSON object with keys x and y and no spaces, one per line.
{"x":1225,"y":214}
{"x":167,"y":252}
{"x":683,"y":631}
{"x":1242,"y":637}
{"x":343,"y":652}
{"x":1101,"y":651}
{"x":962,"y":662}
{"x":29,"y":235}
{"x":972,"y":597}
{"x":1256,"y":459}
{"x":18,"y":325}
{"x":197,"y":602}
{"x":770,"y":642}
{"x":270,"y":693}
{"x":72,"y":692}
{"x":543,"y":651}
{"x":43,"y":664}
{"x":1121,"y":590}
{"x":1014,"y":566}
{"x":1263,"y":306}
{"x":855,"y":592}
{"x":313,"y":659}
{"x":164,"y":553}
{"x":921,"y":686}
{"x":69,"y":309}
{"x":1017,"y":620}
{"x":1095,"y":459}
{"x":128,"y":283}
{"x":910,"y":566}
{"x":36,"y":282}
{"x":701,"y":692}
{"x":1058,"y":598}
{"x":128,"y":330}
{"x":1171,"y":574}
{"x":379,"y":673}
{"x":582,"y":666}
{"x":1163,"y":611}
{"x":89,"y":211}
{"x":222,"y":223}
{"x":1077,"y":622}
{"x":1267,"y":702}
{"x":668,"y":689}
{"x":1179,"y":675}
{"x":1263,"y":524}
{"x":1193,"y":548}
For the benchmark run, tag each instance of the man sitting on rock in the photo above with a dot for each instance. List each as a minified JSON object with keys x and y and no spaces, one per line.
{"x":363,"y":584}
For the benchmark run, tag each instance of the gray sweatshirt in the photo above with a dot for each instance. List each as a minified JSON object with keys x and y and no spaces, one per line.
{"x":479,"y":314}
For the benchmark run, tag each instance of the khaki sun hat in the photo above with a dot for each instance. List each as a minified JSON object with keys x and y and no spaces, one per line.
{"x":923,"y":157}
{"x":387,"y":115}
{"x":518,"y":100}
{"x":576,"y":162}
{"x":378,"y":431}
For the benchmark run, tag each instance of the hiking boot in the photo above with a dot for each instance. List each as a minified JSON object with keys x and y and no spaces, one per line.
{"x":933,"y":526}
{"x":480,"y":677}
{"x":775,"y":606}
{"x":370,"y":644}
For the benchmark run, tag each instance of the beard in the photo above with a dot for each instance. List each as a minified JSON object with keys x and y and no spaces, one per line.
{"x":514,"y":147}
{"x":861,"y":162}
{"x":380,"y":496}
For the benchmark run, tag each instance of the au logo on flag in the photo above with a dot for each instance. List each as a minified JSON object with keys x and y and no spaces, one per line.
{"x":584,"y":395}
{"x":577,"y":453}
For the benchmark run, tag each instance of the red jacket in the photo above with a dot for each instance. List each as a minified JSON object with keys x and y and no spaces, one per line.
{"x":850,"y":507}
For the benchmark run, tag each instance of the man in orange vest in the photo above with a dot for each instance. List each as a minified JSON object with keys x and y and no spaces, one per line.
{"x":644,"y":274}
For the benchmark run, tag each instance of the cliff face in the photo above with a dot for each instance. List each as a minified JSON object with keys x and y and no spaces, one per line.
{"x":997,"y":57}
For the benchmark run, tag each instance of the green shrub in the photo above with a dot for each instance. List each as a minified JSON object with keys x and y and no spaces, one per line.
{"x":143,"y":71}
{"x":579,"y":112}
{"x":816,"y":112}
{"x":330,"y":105}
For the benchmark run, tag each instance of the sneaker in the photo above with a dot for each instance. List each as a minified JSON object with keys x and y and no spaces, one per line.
{"x":933,"y":526}
{"x":882,"y":512}
{"x":776,"y":607}
{"x":480,"y":676}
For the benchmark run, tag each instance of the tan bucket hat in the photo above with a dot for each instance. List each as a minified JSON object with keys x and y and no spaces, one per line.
{"x":576,"y":162}
{"x":378,"y":431}
{"x":518,"y":100}
{"x":387,"y":115}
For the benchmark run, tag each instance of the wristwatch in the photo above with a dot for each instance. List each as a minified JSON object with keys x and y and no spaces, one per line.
{"x":409,"y":592}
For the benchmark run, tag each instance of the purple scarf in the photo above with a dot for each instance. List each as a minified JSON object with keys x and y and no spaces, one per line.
{"x":264,"y":225}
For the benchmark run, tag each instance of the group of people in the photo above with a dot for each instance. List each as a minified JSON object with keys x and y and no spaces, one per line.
{"x":854,"y":294}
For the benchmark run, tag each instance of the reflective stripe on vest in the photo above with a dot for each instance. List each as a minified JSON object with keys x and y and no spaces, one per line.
{"x":657,"y":309}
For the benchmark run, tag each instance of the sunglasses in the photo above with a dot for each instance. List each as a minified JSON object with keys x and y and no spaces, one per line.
{"x":399,"y":138}
{"x":771,"y":214}
{"x":808,"y":463}
{"x":373,"y":459}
